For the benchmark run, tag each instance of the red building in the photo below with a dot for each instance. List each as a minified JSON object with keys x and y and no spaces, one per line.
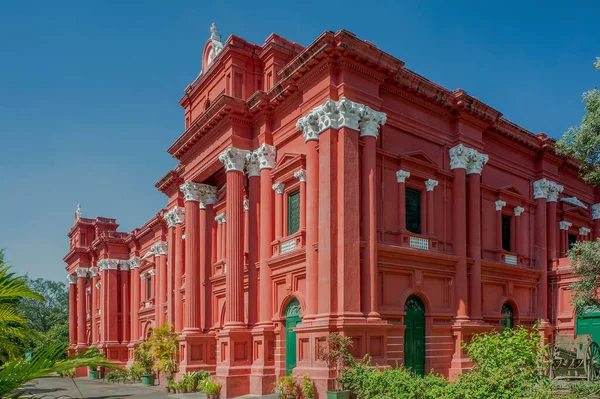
{"x":329,"y":188}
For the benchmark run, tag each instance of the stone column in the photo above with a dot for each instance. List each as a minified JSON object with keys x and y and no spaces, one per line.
{"x":110,"y":309}
{"x":125,"y":302}
{"x":208,"y":197}
{"x":134,"y":266}
{"x":191,"y":193}
{"x":279,"y":189}
{"x":474,"y":169}
{"x":368,"y":122}
{"x":429,"y":186}
{"x":234,"y":159}
{"x":540,"y":194}
{"x":459,"y":158}
{"x":82,"y":274}
{"x":253,"y":230}
{"x":596,"y":218}
{"x":301,"y":175}
{"x":551,"y":202}
{"x":564,"y":236}
{"x":175,"y":219}
{"x":312,"y":225}
{"x":401,"y":176}
{"x":160,"y":252}
{"x":583,"y":233}
{"x":499,"y":205}
{"x":72,"y":279}
{"x":94,"y":295}
{"x":518,"y":233}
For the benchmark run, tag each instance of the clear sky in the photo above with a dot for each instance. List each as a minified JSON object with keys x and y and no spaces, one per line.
{"x":89,"y":90}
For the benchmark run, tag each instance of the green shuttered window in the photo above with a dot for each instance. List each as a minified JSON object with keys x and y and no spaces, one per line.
{"x":293,"y":212}
{"x":413,"y":210}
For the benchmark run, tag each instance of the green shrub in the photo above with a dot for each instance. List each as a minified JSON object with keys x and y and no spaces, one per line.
{"x":308,"y":387}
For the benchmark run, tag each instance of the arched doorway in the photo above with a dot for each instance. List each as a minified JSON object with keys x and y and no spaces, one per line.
{"x":414,"y":335}
{"x":508,"y":317}
{"x":292,"y":319}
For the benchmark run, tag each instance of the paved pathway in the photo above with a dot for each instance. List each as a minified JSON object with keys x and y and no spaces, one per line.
{"x":56,"y":387}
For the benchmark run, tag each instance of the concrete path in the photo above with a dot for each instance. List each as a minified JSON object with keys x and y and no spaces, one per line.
{"x":86,"y":388}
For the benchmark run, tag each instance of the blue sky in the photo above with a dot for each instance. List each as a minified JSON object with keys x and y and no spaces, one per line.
{"x":89,"y":90}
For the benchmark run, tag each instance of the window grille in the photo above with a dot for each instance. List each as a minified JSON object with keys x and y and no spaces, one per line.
{"x":293,"y":212}
{"x":419,"y":243}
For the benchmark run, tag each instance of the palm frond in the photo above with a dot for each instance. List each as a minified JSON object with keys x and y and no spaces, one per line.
{"x":9,"y":313}
{"x":14,"y":374}
{"x":15,"y":287}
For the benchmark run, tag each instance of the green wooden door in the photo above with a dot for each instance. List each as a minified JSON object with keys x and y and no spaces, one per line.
{"x":589,"y":323}
{"x":414,"y":335}
{"x":292,"y":319}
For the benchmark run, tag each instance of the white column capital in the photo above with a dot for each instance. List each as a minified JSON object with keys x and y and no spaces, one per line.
{"x":564,"y":225}
{"x":160,"y":248}
{"x":82,"y":272}
{"x":71,"y":278}
{"x":343,"y":113}
{"x":108,"y":264}
{"x":143,"y":276}
{"x":124,"y":265}
{"x":499,"y":205}
{"x":584,"y":231}
{"x":174,"y":216}
{"x":208,"y":195}
{"x":220,"y":218}
{"x":519,"y":210}
{"x":233,"y":159}
{"x":370,"y":121}
{"x":93,"y":271}
{"x":191,"y":191}
{"x":300,"y":175}
{"x":134,"y":262}
{"x":430,"y":184}
{"x":476,"y":162}
{"x":402,"y":175}
{"x":459,"y":157}
{"x":545,"y":188}
{"x":278,"y":187}
{"x":596,"y":211}
{"x":246,"y":205}
{"x":265,"y":155}
{"x":151,"y":272}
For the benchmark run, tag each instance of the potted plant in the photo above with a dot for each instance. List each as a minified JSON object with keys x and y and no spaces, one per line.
{"x":212,"y":388}
{"x":93,"y":351}
{"x":164,"y":346}
{"x":308,"y":387}
{"x":337,"y":356}
{"x":145,"y":361}
{"x":286,"y":388}
{"x":188,"y":382}
{"x":199,"y":377}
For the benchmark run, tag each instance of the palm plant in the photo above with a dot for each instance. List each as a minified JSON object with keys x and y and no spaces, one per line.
{"x":13,"y":327}
{"x":14,"y":369}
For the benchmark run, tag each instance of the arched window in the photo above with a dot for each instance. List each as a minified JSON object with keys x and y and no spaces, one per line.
{"x":508,"y":319}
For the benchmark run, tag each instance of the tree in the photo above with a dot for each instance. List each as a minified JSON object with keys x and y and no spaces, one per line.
{"x":583,"y":142}
{"x":43,"y":315}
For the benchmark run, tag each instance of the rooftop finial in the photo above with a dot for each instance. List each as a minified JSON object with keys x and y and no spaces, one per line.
{"x":214,"y":35}
{"x":78,"y":212}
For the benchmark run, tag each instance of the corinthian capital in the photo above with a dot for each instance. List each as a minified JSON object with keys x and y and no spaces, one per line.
{"x":134,"y":262}
{"x":233,"y":159}
{"x":402,"y":175}
{"x":459,"y":157}
{"x":519,"y":210}
{"x":476,"y":162}
{"x":544,"y":188}
{"x":252,"y":164}
{"x":108,"y":264}
{"x":499,"y":205}
{"x":71,"y":279}
{"x":596,"y":211}
{"x":278,"y":187}
{"x":160,"y":248}
{"x":349,"y":113}
{"x":300,"y":175}
{"x":430,"y":184}
{"x":82,"y":272}
{"x":266,"y":155}
{"x":564,"y":225}
{"x":370,"y":121}
{"x":174,"y":216}
{"x":584,"y":231}
{"x":190,"y":191}
{"x":208,"y":195}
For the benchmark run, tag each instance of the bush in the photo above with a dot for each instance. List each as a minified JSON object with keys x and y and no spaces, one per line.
{"x":308,"y":387}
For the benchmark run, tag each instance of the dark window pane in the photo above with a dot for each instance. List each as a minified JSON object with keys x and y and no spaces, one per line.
{"x":148,"y":288}
{"x":413,"y":210}
{"x":507,"y":320}
{"x":506,"y":232}
{"x":293,"y":212}
{"x":572,"y":240}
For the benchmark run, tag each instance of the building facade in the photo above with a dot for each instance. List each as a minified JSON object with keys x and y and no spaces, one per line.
{"x":329,"y":188}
